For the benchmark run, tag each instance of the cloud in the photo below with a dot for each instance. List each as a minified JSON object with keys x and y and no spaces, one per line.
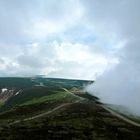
{"x":75,"y":39}
{"x":35,"y":19}
{"x":54,"y":19}
{"x":65,"y":39}
{"x":120,"y":85}
{"x":69,"y":60}
{"x":74,"y":59}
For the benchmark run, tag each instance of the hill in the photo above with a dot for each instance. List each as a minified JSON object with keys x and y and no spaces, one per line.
{"x":47,"y":109}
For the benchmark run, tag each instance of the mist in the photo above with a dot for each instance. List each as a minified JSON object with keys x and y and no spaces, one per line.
{"x":120,"y":84}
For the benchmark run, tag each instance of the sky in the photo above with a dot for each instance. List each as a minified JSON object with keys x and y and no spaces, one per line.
{"x":78,"y":39}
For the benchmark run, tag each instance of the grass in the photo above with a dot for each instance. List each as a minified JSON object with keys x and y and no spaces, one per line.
{"x":51,"y":98}
{"x":77,"y":120}
{"x":30,"y":92}
{"x":27,"y":95}
{"x":85,"y":120}
{"x":1,"y":103}
{"x":38,"y":105}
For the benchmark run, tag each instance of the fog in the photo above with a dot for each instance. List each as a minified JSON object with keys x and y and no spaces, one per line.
{"x":120,"y":84}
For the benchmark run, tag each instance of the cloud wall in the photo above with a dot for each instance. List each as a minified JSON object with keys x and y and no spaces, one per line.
{"x":121,"y":84}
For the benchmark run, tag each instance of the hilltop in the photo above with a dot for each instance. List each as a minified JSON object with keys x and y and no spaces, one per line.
{"x":48,"y":108}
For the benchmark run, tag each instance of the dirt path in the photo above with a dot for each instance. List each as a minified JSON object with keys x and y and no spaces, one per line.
{"x":80,"y":98}
{"x":111,"y":111}
{"x":51,"y":111}
{"x":120,"y":116}
{"x":67,"y":104}
{"x":43,"y":114}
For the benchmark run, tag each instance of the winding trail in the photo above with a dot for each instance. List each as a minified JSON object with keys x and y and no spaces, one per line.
{"x":43,"y":114}
{"x":80,"y":99}
{"x":51,"y":111}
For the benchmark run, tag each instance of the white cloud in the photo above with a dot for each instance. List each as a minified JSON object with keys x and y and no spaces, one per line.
{"x":65,"y":39}
{"x":120,"y":85}
{"x":74,"y":60}
{"x":58,"y":18}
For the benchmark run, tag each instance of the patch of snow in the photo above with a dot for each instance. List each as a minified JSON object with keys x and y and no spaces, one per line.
{"x":4,"y":89}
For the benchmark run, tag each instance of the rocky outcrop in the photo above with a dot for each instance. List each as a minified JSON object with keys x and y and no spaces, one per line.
{"x":6,"y":93}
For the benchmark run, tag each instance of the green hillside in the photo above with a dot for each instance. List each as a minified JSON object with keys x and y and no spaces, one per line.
{"x":33,"y":88}
{"x":57,"y":109}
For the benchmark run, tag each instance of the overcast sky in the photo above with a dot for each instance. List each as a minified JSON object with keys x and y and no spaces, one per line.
{"x":64,"y":38}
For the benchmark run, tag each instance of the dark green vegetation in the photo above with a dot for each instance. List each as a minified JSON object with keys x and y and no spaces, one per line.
{"x":33,"y":88}
{"x":58,"y":109}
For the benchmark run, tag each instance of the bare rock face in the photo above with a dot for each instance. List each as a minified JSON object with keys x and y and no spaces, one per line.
{"x":5,"y":94}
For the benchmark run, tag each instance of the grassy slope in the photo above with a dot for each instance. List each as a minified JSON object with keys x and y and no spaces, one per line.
{"x":27,"y":95}
{"x":37,"y":105}
{"x":51,"y":98}
{"x":30,"y":91}
{"x":79,"y":120}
